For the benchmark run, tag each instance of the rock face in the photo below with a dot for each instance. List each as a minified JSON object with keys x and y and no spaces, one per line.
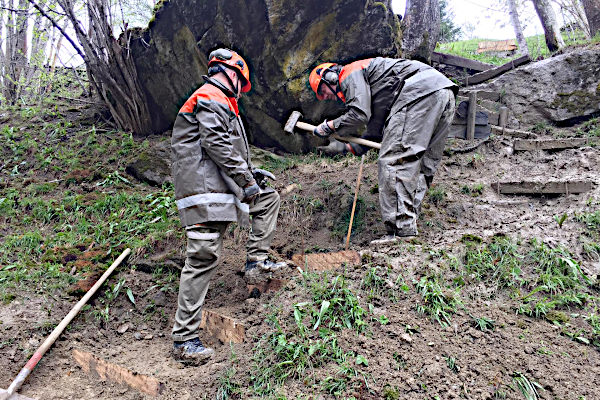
{"x":152,"y":165}
{"x":281,"y":41}
{"x":556,"y":90}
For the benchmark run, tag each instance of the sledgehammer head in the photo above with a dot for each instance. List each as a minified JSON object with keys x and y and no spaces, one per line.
{"x":292,"y":121}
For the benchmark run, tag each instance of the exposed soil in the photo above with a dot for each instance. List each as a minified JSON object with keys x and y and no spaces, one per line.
{"x":407,"y":357}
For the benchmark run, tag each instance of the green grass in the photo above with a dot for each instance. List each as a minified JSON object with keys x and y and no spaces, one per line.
{"x":305,"y":337}
{"x":438,"y":302}
{"x":536,"y":44}
{"x":45,"y":219}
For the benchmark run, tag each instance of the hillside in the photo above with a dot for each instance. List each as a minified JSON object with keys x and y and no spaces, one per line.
{"x":498,"y":295}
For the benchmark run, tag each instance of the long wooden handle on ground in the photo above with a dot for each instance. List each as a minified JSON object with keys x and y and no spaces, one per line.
{"x":362,"y":160}
{"x":14,"y":386}
{"x":364,"y":142}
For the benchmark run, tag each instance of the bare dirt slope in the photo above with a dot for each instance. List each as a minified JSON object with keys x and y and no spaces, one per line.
{"x":493,"y":295}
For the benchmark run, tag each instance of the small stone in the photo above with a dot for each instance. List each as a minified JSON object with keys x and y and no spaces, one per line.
{"x":123,"y":328}
{"x":160,"y":299}
{"x":406,"y":337}
{"x":430,"y":344}
{"x":148,"y":337}
{"x":529,"y":350}
{"x":138,"y":336}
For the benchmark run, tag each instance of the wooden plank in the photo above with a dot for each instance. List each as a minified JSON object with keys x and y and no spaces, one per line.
{"x":525,"y":187}
{"x":496,"y":130}
{"x":105,"y":371}
{"x":503,"y":117}
{"x":497,"y":45}
{"x":471,"y":116}
{"x":548,"y":144}
{"x":271,"y":285}
{"x":326,"y":261}
{"x":463,"y":95}
{"x":462,"y":62}
{"x":222,"y":327}
{"x":492,"y":73}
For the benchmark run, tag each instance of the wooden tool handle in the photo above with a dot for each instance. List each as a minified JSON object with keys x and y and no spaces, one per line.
{"x":350,"y":139}
{"x":362,"y":160}
{"x":26,"y":370}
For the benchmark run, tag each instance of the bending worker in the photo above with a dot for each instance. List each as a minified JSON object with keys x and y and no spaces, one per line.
{"x":408,"y":106}
{"x":215,"y":184}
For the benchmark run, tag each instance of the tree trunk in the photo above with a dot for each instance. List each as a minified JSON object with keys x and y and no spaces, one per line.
{"x":421,"y":29}
{"x":2,"y":53}
{"x":16,"y":48}
{"x":18,"y":59}
{"x":39,"y":39}
{"x":592,"y":11}
{"x":544,"y":10}
{"x":514,"y":20}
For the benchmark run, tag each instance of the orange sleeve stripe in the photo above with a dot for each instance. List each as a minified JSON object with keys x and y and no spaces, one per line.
{"x":352,"y":67}
{"x":208,"y":93}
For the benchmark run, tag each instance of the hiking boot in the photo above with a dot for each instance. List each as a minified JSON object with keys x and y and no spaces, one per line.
{"x":258,"y":271}
{"x":192,"y":352}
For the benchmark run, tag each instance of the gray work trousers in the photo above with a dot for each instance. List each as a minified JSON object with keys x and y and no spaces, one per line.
{"x":204,"y":247}
{"x":411,"y":151}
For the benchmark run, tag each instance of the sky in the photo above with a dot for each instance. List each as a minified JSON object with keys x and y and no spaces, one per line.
{"x":490,"y":21}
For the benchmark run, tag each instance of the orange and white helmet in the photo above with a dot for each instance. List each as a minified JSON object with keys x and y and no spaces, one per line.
{"x":323,"y":73}
{"x":231,"y":59}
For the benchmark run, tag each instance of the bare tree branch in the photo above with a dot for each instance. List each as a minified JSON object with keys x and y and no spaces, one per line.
{"x":79,"y":51}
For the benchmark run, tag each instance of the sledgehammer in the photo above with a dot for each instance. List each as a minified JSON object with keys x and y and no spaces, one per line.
{"x":293,"y":122}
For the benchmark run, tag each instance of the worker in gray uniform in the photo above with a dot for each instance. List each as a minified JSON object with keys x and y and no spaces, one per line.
{"x":215,"y":184}
{"x":407,"y":106}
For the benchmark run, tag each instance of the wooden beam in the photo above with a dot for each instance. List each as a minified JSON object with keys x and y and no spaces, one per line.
{"x":496,"y":130}
{"x":481,"y":94}
{"x":105,"y":371}
{"x":471,"y":116}
{"x":326,"y":261}
{"x":503,"y":118}
{"x":548,"y":144}
{"x":525,"y":187}
{"x":224,"y":328}
{"x":492,"y":73}
{"x":462,"y":62}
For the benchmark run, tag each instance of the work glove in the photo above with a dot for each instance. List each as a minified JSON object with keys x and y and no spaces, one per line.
{"x":333,"y":149}
{"x":323,"y":130}
{"x":261,"y":175}
{"x":251,"y":192}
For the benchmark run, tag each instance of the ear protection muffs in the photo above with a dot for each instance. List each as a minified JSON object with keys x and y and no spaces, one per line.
{"x":330,"y":77}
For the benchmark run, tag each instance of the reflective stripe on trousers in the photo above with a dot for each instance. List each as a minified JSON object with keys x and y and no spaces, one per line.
{"x":203,"y":253}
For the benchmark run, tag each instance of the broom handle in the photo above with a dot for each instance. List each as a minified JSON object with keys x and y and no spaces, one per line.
{"x":24,"y":373}
{"x":362,"y":159}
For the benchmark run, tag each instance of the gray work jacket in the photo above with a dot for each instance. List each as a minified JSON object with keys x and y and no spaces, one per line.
{"x":211,"y":159}
{"x":375,"y":88}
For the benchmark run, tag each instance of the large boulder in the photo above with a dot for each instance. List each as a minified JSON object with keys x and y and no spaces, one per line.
{"x":558,"y":90}
{"x":281,"y":41}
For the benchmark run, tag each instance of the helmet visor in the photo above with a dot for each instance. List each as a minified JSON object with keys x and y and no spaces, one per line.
{"x":220,"y":54}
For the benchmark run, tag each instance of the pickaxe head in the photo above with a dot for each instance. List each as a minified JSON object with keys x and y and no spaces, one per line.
{"x":292,"y":121}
